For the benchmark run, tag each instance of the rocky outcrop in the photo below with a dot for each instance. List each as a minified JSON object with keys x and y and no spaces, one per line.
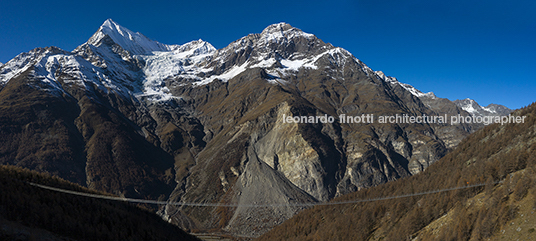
{"x":264,"y":198}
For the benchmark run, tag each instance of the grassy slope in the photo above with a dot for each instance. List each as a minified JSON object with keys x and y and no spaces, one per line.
{"x":491,"y":154}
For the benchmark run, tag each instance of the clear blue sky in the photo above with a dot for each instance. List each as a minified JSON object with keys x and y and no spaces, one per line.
{"x":485,"y":50}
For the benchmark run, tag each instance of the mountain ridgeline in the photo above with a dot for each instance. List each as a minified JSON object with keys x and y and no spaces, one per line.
{"x":190,"y":123}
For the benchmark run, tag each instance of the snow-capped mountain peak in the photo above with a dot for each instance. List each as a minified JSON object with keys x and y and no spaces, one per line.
{"x":195,"y":48}
{"x":276,"y":27}
{"x":135,"y":43}
{"x":474,"y":108}
{"x":144,"y":63}
{"x":281,"y":32}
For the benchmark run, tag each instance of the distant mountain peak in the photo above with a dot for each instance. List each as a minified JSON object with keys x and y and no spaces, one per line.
{"x":110,"y":24}
{"x":133,"y":42}
{"x":277,"y":27}
{"x":196,"y":47}
{"x":279,"y":31}
{"x":474,"y":108}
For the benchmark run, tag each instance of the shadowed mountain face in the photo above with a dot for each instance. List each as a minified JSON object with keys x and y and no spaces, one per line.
{"x":189,"y":123}
{"x":32,"y":213}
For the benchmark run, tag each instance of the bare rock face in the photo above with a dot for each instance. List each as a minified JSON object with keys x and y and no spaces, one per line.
{"x":285,"y":150}
{"x":259,"y":184}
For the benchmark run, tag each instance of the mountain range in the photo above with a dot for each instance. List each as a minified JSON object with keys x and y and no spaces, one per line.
{"x":191,"y":123}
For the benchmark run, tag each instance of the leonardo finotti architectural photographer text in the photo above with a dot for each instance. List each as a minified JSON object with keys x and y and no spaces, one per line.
{"x":405,"y":119}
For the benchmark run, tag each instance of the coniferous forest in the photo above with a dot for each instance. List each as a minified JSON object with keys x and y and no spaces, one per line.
{"x":32,"y":213}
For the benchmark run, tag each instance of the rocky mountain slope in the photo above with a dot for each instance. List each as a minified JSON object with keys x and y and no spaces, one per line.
{"x":501,"y":157}
{"x":191,"y":123}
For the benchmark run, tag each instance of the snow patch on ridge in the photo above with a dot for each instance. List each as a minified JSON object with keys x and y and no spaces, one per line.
{"x":470,"y":109}
{"x":489,"y":109}
{"x":411,"y":89}
{"x":229,"y":74}
{"x":291,"y":64}
{"x":264,"y":63}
